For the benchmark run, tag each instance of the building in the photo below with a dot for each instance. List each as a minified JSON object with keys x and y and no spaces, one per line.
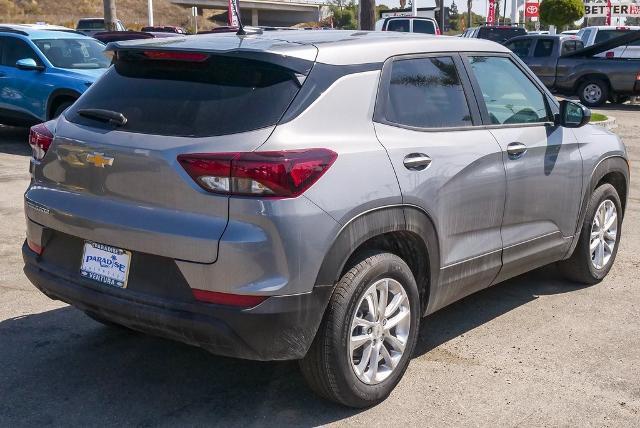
{"x":276,"y":13}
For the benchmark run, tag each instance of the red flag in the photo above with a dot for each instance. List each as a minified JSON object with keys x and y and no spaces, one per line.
{"x":491,"y":16}
{"x":233,"y":13}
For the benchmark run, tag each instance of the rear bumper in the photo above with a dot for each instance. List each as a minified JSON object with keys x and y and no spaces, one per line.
{"x":280,"y":328}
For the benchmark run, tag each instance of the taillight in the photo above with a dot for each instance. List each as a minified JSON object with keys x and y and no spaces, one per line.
{"x":610,"y":54}
{"x":40,"y":139}
{"x":638,"y":77}
{"x":282,"y":174}
{"x":237,"y":300}
{"x":438,"y":32}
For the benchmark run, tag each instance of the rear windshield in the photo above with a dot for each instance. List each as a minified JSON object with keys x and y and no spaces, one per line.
{"x":606,"y":35}
{"x":218,"y":96}
{"x":91,"y":24}
{"x":500,"y":34}
{"x":423,"y":26}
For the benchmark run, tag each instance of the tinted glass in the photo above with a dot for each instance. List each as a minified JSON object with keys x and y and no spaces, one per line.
{"x":74,"y":53}
{"x":91,"y":24}
{"x":219,"y":96}
{"x":605,"y":35}
{"x":16,"y":49}
{"x":571,"y":46}
{"x":520,"y":47}
{"x":584,"y":35}
{"x":544,"y":47}
{"x":500,"y":34}
{"x":426,"y":93}
{"x":423,"y":26}
{"x":401,"y":25}
{"x":508,"y":93}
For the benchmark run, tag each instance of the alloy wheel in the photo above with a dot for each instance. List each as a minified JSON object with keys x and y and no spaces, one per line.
{"x":604,"y":231}
{"x":379,"y":331}
{"x":592,"y":93}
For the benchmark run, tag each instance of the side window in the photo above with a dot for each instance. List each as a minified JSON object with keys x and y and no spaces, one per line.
{"x":508,"y":93}
{"x":16,"y":49}
{"x":520,"y":47}
{"x":544,"y":48}
{"x":571,"y":46}
{"x":585,"y":36}
{"x":401,"y":25}
{"x":423,"y":26}
{"x":426,"y":93}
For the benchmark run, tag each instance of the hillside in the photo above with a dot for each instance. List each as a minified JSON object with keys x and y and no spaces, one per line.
{"x":67,"y":12}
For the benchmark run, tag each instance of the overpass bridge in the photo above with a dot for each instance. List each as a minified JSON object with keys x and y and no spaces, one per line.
{"x":278,"y":13}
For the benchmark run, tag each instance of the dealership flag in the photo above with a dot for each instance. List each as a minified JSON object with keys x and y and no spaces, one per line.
{"x":491,"y":16}
{"x":234,"y":10}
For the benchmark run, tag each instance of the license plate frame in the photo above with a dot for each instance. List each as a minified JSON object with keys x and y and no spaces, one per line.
{"x":105,"y":264}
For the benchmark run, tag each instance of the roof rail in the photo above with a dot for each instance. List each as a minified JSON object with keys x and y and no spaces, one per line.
{"x":12,"y":30}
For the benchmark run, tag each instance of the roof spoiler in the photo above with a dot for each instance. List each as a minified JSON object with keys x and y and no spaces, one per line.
{"x":297,"y":65}
{"x":623,"y":40}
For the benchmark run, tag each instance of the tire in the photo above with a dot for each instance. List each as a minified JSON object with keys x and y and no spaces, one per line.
{"x":328,"y":368}
{"x":593,"y":92}
{"x":583,"y":266}
{"x":61,"y":108}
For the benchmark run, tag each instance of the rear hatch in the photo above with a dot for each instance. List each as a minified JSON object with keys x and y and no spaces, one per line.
{"x":119,"y":182}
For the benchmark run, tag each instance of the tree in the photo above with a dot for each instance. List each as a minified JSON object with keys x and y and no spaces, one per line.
{"x":454,"y":16}
{"x":110,"y":17}
{"x":367,"y":18}
{"x":344,"y":19}
{"x":561,"y":12}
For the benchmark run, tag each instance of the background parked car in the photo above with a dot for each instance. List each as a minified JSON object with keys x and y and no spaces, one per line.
{"x":91,"y":26}
{"x":495,"y":33}
{"x":565,"y":67}
{"x":42,"y":71}
{"x":164,"y":29}
{"x":598,"y":34}
{"x":408,"y":24}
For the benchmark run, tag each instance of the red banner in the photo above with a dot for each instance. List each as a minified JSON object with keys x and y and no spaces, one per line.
{"x":531,"y":10}
{"x":491,"y":15}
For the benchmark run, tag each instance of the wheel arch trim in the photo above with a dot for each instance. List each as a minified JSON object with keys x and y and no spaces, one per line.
{"x":57,"y":93}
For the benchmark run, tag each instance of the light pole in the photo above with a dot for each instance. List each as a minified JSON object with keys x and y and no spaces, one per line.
{"x":110,"y":15}
{"x":150,"y":12}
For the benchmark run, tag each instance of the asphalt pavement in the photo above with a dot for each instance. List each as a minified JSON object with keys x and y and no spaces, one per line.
{"x":533,"y":351}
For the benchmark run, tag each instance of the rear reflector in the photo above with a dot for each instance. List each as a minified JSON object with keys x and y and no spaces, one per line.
{"x":280,"y":174}
{"x":40,"y":139}
{"x":35,"y":247}
{"x":176,"y":55}
{"x":610,"y":54}
{"x":237,"y":300}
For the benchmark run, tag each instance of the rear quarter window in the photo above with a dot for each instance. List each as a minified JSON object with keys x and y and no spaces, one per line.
{"x":219,"y":96}
{"x":423,"y":26}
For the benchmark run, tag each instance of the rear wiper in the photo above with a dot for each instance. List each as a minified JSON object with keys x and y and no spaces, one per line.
{"x":102,"y":115}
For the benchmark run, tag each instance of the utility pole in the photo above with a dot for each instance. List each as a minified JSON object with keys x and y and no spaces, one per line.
{"x":367,"y":18}
{"x":414,"y":8}
{"x":469,"y":13}
{"x":150,"y":12}
{"x":110,"y":17}
{"x":442,"y":10}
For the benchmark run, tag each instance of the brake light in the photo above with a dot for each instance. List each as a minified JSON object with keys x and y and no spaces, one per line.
{"x":176,"y":55}
{"x":610,"y":54}
{"x":438,"y":32}
{"x":237,"y":300}
{"x":638,"y":77}
{"x":282,"y":174}
{"x":40,"y":139}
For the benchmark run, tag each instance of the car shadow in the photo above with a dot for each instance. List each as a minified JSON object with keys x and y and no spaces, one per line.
{"x":14,"y":141}
{"x":623,"y":107}
{"x":59,"y":367}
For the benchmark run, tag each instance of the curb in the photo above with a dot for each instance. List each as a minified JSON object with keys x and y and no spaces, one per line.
{"x":610,"y":123}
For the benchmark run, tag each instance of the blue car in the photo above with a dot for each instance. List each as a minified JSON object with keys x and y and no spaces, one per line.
{"x":43,"y":70}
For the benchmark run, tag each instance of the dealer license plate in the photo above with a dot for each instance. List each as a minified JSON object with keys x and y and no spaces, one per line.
{"x":105,"y":264}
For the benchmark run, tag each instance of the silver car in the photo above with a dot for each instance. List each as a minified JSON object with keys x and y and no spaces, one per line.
{"x":312,"y":195}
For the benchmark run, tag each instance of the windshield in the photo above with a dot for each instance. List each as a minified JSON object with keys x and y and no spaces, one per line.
{"x":91,"y":24}
{"x":74,"y":53}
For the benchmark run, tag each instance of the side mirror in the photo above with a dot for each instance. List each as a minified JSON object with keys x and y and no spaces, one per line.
{"x":572,"y":114}
{"x":28,"y":64}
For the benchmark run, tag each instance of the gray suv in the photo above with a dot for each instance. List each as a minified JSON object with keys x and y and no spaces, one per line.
{"x":312,"y":195}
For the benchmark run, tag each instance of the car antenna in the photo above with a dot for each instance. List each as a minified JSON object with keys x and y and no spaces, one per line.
{"x":241,"y":31}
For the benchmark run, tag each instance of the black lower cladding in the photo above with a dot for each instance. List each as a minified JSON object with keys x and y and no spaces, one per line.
{"x":158,"y":301}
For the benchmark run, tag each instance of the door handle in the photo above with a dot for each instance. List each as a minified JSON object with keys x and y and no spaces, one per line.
{"x":416,"y":161}
{"x":516,"y":150}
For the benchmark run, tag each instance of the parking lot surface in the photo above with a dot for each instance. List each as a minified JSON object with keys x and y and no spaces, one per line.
{"x":533,"y":351}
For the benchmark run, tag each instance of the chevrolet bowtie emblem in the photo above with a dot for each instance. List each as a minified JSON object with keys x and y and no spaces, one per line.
{"x":99,"y":160}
